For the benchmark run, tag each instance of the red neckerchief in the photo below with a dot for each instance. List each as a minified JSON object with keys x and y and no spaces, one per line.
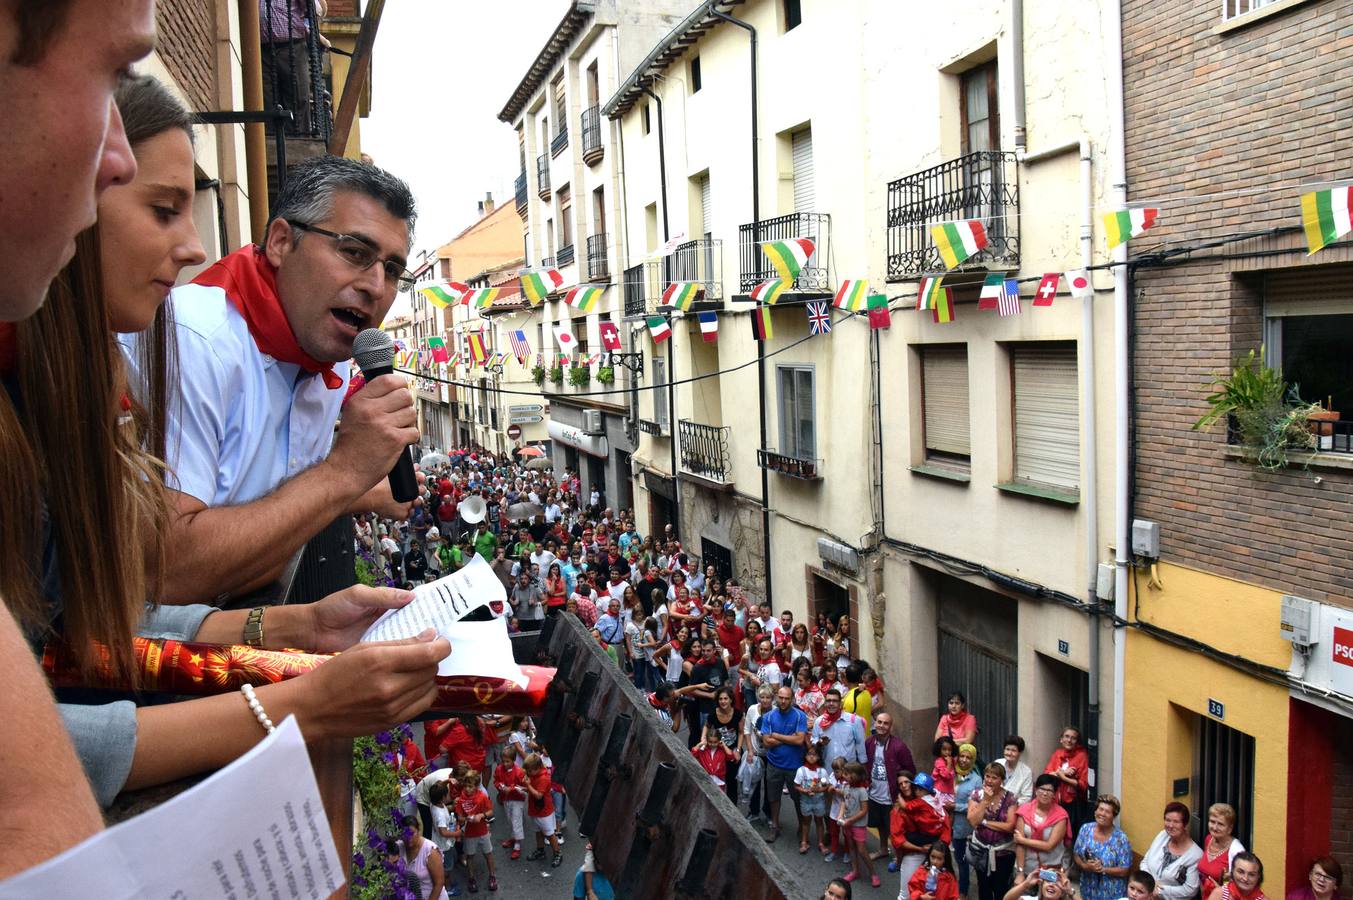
{"x":827,"y":720}
{"x":8,"y":349}
{"x":955,"y":722}
{"x":654,"y":702}
{"x":250,"y":283}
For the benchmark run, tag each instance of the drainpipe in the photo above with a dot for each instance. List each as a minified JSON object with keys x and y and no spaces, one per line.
{"x":255,"y":141}
{"x":1117,"y":153}
{"x":1017,"y":72}
{"x":760,"y":345}
{"x":631,"y":398}
{"x":1091,"y":494}
{"x":671,"y":340}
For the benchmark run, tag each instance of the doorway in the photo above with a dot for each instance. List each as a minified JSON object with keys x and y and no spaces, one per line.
{"x":661,"y":513}
{"x":624,"y":483}
{"x":596,"y":477}
{"x":832,"y":599}
{"x":712,"y":553}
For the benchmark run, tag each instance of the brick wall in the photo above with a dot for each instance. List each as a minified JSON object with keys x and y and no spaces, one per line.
{"x":187,"y":44}
{"x":1341,"y":804}
{"x":1209,"y":117}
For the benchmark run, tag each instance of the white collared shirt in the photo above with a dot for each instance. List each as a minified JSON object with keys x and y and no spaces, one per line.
{"x":244,"y":422}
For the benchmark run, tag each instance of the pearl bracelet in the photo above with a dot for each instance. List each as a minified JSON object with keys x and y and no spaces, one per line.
{"x":257,"y":708}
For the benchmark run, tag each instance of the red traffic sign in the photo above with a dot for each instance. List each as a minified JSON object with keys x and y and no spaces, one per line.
{"x":514,"y":431}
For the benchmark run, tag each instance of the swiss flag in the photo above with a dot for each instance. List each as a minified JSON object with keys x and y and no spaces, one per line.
{"x":610,"y":336}
{"x":1047,"y":289}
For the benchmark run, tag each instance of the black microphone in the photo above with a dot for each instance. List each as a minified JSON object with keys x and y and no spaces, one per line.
{"x":374,"y":353}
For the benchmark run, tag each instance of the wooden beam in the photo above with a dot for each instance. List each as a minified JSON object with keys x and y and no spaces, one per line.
{"x":355,"y":83}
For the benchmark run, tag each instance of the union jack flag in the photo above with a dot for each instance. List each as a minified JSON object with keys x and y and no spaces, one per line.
{"x":819,"y":317}
{"x":520,"y":348}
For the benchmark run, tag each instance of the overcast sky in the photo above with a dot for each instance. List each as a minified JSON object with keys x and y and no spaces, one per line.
{"x":442,"y":71}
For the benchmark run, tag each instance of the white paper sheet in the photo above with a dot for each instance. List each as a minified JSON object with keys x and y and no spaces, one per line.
{"x":441,"y":603}
{"x":477,"y":648}
{"x":254,"y":829}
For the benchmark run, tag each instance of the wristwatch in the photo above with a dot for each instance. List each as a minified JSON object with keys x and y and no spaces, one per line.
{"x":253,"y":627}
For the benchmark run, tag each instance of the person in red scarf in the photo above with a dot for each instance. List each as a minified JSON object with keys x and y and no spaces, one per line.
{"x":1070,"y":763}
{"x":263,"y":338}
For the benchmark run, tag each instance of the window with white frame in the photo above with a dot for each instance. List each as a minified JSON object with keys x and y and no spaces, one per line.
{"x":1046,"y":415}
{"x":798,"y":413}
{"x":944,"y":405}
{"x":1231,"y":9}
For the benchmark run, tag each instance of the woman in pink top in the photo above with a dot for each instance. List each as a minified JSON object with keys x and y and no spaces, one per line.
{"x":957,"y":723}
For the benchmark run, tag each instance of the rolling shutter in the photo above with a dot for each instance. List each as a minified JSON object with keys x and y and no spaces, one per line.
{"x":805,"y":193}
{"x":1047,"y":418}
{"x":944,"y":374}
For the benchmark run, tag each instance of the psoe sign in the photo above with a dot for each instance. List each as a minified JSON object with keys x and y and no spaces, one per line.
{"x":1343,"y":646}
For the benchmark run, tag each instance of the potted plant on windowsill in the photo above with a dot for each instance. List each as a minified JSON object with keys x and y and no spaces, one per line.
{"x":606,"y":374}
{"x":1269,"y":418}
{"x":538,"y":375}
{"x":579,"y":376}
{"x":557,"y":375}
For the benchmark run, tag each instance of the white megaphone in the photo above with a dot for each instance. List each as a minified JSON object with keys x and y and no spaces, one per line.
{"x":473,"y":509}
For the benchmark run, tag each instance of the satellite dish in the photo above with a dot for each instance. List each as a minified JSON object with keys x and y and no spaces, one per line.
{"x":473,"y":509}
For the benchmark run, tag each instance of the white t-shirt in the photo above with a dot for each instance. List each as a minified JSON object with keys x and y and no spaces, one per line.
{"x":441,"y":818}
{"x":811,"y":777}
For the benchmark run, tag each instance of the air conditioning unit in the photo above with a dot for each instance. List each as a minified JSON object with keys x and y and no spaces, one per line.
{"x":592,"y":421}
{"x":838,"y":554}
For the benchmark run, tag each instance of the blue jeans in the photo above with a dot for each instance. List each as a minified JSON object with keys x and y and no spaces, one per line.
{"x":960,"y":854}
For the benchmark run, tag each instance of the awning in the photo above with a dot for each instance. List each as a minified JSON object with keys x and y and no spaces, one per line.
{"x":591,"y":444}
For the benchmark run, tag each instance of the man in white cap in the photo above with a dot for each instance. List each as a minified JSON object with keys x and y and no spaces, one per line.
{"x":434,"y":540}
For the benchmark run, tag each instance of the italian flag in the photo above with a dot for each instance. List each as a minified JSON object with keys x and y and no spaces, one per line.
{"x":1126,"y":224}
{"x":584,"y":297}
{"x":929,"y":292}
{"x":1327,"y":216}
{"x":538,"y":285}
{"x":956,"y":241}
{"x":850,"y":295}
{"x":680,"y":294}
{"x":768,"y":291}
{"x":761,"y":326}
{"x":438,"y":348}
{"x":788,"y":257}
{"x":990,"y":298}
{"x":443,"y":295}
{"x":658,"y":327}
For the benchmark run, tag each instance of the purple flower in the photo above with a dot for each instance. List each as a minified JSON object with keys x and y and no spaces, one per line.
{"x":383,"y":738}
{"x":358,"y":881}
{"x":375,"y":841}
{"x":388,"y":758}
{"x":358,"y":860}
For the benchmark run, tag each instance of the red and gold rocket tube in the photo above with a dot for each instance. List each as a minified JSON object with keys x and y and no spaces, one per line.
{"x":181,"y":667}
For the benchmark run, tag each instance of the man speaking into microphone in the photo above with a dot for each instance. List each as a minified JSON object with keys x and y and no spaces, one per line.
{"x":263,"y":338}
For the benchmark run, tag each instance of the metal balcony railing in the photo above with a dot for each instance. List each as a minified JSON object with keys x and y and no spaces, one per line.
{"x":633,"y":285}
{"x":543,"y":176}
{"x":565,"y":255}
{"x":592,"y":149}
{"x":793,"y":466}
{"x":982,"y":186}
{"x":598,"y":265}
{"x":547,"y":262}
{"x":814,"y":277}
{"x":493,"y":417}
{"x":519,"y":186}
{"x":559,"y":142}
{"x":700,"y":261}
{"x":704,"y":450}
{"x":293,"y":67}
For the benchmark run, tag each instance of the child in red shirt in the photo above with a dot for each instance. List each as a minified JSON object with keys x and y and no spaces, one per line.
{"x":935,"y":880}
{"x":713,"y":755}
{"x":509,"y":780}
{"x":540,"y":807}
{"x":474,"y":811}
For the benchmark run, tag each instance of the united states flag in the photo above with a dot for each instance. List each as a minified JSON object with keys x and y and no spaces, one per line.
{"x":819,"y":317}
{"x":1008,"y":303}
{"x":520,"y":348}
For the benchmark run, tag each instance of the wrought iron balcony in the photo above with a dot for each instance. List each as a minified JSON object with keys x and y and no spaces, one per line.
{"x":700,"y":261}
{"x":814,"y":277}
{"x":636,"y":301}
{"x":293,"y":68}
{"x":592,"y":149}
{"x":522,"y":194}
{"x":543,"y":176}
{"x":565,"y":256}
{"x":547,"y":262}
{"x":657,"y":429}
{"x":792,"y":466}
{"x":559,"y":142}
{"x":704,"y":450}
{"x":598,"y":266}
{"x":982,"y":186}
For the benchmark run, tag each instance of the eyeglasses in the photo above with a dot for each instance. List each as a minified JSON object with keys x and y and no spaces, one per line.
{"x":361,"y":255}
{"x":1322,"y":876}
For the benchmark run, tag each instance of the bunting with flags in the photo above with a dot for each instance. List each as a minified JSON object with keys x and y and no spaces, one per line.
{"x":991,"y":291}
{"x":762,"y":330}
{"x":879,"y":316}
{"x":1326,"y":216}
{"x":1009,"y":302}
{"x":851,"y":295}
{"x":819,"y":317}
{"x":709,"y":326}
{"x":1079,"y":282}
{"x":788,"y":257}
{"x":957,"y":241}
{"x":1047,"y":289}
{"x":438,"y":348}
{"x":563,"y":334}
{"x":768,"y":291}
{"x":521,"y":347}
{"x":584,"y":297}
{"x":1125,"y":224}
{"x":681,"y":294}
{"x":480,"y":298}
{"x":659,"y":329}
{"x":478,"y":352}
{"x":943,"y":313}
{"x":610,"y":336}
{"x":928,"y":292}
{"x":538,"y":285}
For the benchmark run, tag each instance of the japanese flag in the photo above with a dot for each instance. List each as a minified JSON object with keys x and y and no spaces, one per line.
{"x":1079,"y":282}
{"x":564,"y":335}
